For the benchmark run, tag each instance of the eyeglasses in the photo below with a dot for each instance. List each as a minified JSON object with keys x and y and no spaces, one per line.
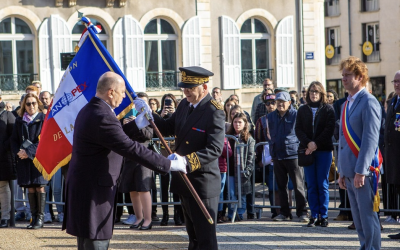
{"x":396,"y":81}
{"x":270,"y":103}
{"x":30,"y":103}
{"x":303,"y":91}
{"x":153,"y":103}
{"x":314,"y":91}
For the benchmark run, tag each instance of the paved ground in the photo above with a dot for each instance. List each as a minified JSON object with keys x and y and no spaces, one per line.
{"x":256,"y":234}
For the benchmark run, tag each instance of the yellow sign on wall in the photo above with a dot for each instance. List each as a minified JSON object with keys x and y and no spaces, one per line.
{"x":329,"y":51}
{"x":367,"y":48}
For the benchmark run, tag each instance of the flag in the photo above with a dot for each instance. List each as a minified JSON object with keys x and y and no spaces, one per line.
{"x":77,"y":87}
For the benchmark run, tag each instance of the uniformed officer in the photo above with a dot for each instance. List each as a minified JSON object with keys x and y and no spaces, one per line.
{"x":198,"y":125}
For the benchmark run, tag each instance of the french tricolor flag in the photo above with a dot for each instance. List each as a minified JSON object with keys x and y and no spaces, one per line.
{"x":76,"y":89}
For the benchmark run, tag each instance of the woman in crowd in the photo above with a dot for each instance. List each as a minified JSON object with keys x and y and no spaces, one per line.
{"x":295,"y":99}
{"x":154,"y":104}
{"x":223,"y":168}
{"x":7,"y":168}
{"x":138,"y":181}
{"x":331,"y":96}
{"x":242,"y":157}
{"x":24,"y":142}
{"x":229,"y":103}
{"x":315,"y":124}
{"x":169,"y":104}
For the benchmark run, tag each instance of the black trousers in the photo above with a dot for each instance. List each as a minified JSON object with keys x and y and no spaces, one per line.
{"x":283,"y":168}
{"x":202,"y":234}
{"x":89,"y":244}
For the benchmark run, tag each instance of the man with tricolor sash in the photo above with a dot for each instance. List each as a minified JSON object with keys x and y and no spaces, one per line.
{"x":359,"y":156}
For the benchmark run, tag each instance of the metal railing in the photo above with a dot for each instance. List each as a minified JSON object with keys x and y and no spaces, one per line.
{"x":255,"y":78}
{"x":11,"y":83}
{"x":166,"y":80}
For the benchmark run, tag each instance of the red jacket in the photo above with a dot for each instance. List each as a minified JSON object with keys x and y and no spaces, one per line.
{"x":223,"y":166}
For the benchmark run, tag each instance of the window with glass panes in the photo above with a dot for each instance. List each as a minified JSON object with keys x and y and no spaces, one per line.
{"x":160,"y":55}
{"x":80,"y":27}
{"x":255,"y":46}
{"x":16,"y":54}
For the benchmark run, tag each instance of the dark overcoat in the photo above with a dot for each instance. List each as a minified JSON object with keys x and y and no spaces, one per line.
{"x":199,"y":137}
{"x":7,"y":167}
{"x":99,"y":144}
{"x":27,"y":173}
{"x":392,"y":145}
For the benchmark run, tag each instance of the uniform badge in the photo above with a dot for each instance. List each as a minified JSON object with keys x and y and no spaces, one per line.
{"x":397,"y":122}
{"x":217,"y":105}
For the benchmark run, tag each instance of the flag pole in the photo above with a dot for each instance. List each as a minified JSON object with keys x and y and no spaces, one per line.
{"x":183,"y":175}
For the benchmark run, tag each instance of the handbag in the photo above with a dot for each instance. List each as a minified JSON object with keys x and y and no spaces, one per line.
{"x":303,"y":159}
{"x":266,"y":156}
{"x":25,"y":142}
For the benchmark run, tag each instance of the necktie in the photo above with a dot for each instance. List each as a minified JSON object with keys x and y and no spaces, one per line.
{"x":397,"y":103}
{"x":190,"y":109}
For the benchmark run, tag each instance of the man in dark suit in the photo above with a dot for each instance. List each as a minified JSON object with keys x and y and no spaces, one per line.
{"x":392,"y":141}
{"x":99,"y":144}
{"x":198,"y":125}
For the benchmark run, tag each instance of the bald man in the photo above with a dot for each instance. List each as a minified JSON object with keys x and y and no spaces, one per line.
{"x":99,"y":145}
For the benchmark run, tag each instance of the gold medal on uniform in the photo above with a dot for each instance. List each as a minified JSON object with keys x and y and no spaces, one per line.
{"x":397,"y":122}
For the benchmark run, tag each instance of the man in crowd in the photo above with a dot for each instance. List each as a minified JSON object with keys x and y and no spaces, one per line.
{"x":32,"y":89}
{"x":38,"y":85}
{"x":217,"y":95}
{"x":283,"y":149}
{"x":99,"y":144}
{"x":9,"y":106}
{"x":267,"y":84}
{"x":358,"y":141}
{"x":45,"y":98}
{"x":304,"y":94}
{"x":392,"y":141}
{"x":198,"y":125}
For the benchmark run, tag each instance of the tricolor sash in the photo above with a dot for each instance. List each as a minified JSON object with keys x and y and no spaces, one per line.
{"x":355,"y":143}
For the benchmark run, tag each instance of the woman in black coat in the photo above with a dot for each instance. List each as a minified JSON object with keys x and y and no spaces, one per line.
{"x":315,"y":124}
{"x":24,"y":143}
{"x":7,"y":168}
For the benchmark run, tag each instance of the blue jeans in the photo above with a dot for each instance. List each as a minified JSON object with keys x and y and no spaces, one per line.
{"x":317,"y":183}
{"x":233,"y":194}
{"x":56,"y":187}
{"x":221,"y":195}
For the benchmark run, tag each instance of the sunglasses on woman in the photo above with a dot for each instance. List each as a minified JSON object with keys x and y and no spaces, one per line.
{"x":30,"y":103}
{"x":270,"y":103}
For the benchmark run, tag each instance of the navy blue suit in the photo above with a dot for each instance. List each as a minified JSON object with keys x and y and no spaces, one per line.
{"x":99,"y":144}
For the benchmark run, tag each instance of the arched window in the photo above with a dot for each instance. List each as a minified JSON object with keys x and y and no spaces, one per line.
{"x":255,"y":52}
{"x":160,"y":55}
{"x":16,"y":54}
{"x":80,"y":26}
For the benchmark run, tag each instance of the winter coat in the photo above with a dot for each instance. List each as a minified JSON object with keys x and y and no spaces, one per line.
{"x":27,"y":173}
{"x":7,"y":167}
{"x":243,"y":156}
{"x":222,"y":163}
{"x":322,"y":131}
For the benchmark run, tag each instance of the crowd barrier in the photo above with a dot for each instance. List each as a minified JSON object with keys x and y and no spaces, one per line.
{"x":17,"y":196}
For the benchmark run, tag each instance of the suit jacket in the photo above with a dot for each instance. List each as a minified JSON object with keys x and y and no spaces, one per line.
{"x":98,"y":146}
{"x":392,"y":145}
{"x":365,"y":119}
{"x":199,"y":137}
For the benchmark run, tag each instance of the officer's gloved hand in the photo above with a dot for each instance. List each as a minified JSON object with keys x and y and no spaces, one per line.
{"x":141,"y":120}
{"x":142,"y":106}
{"x":178,"y":163}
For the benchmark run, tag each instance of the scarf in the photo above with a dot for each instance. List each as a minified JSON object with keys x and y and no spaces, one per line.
{"x":26,"y":117}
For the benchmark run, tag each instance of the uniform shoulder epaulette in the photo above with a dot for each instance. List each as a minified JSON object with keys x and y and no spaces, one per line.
{"x":217,"y":105}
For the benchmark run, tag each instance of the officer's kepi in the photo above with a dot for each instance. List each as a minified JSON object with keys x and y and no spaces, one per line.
{"x":194,"y":76}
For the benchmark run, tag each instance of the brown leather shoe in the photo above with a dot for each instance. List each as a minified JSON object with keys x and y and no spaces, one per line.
{"x":352,"y":226}
{"x":341,"y":217}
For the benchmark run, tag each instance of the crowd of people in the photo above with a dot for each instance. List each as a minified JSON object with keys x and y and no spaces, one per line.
{"x":300,"y":131}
